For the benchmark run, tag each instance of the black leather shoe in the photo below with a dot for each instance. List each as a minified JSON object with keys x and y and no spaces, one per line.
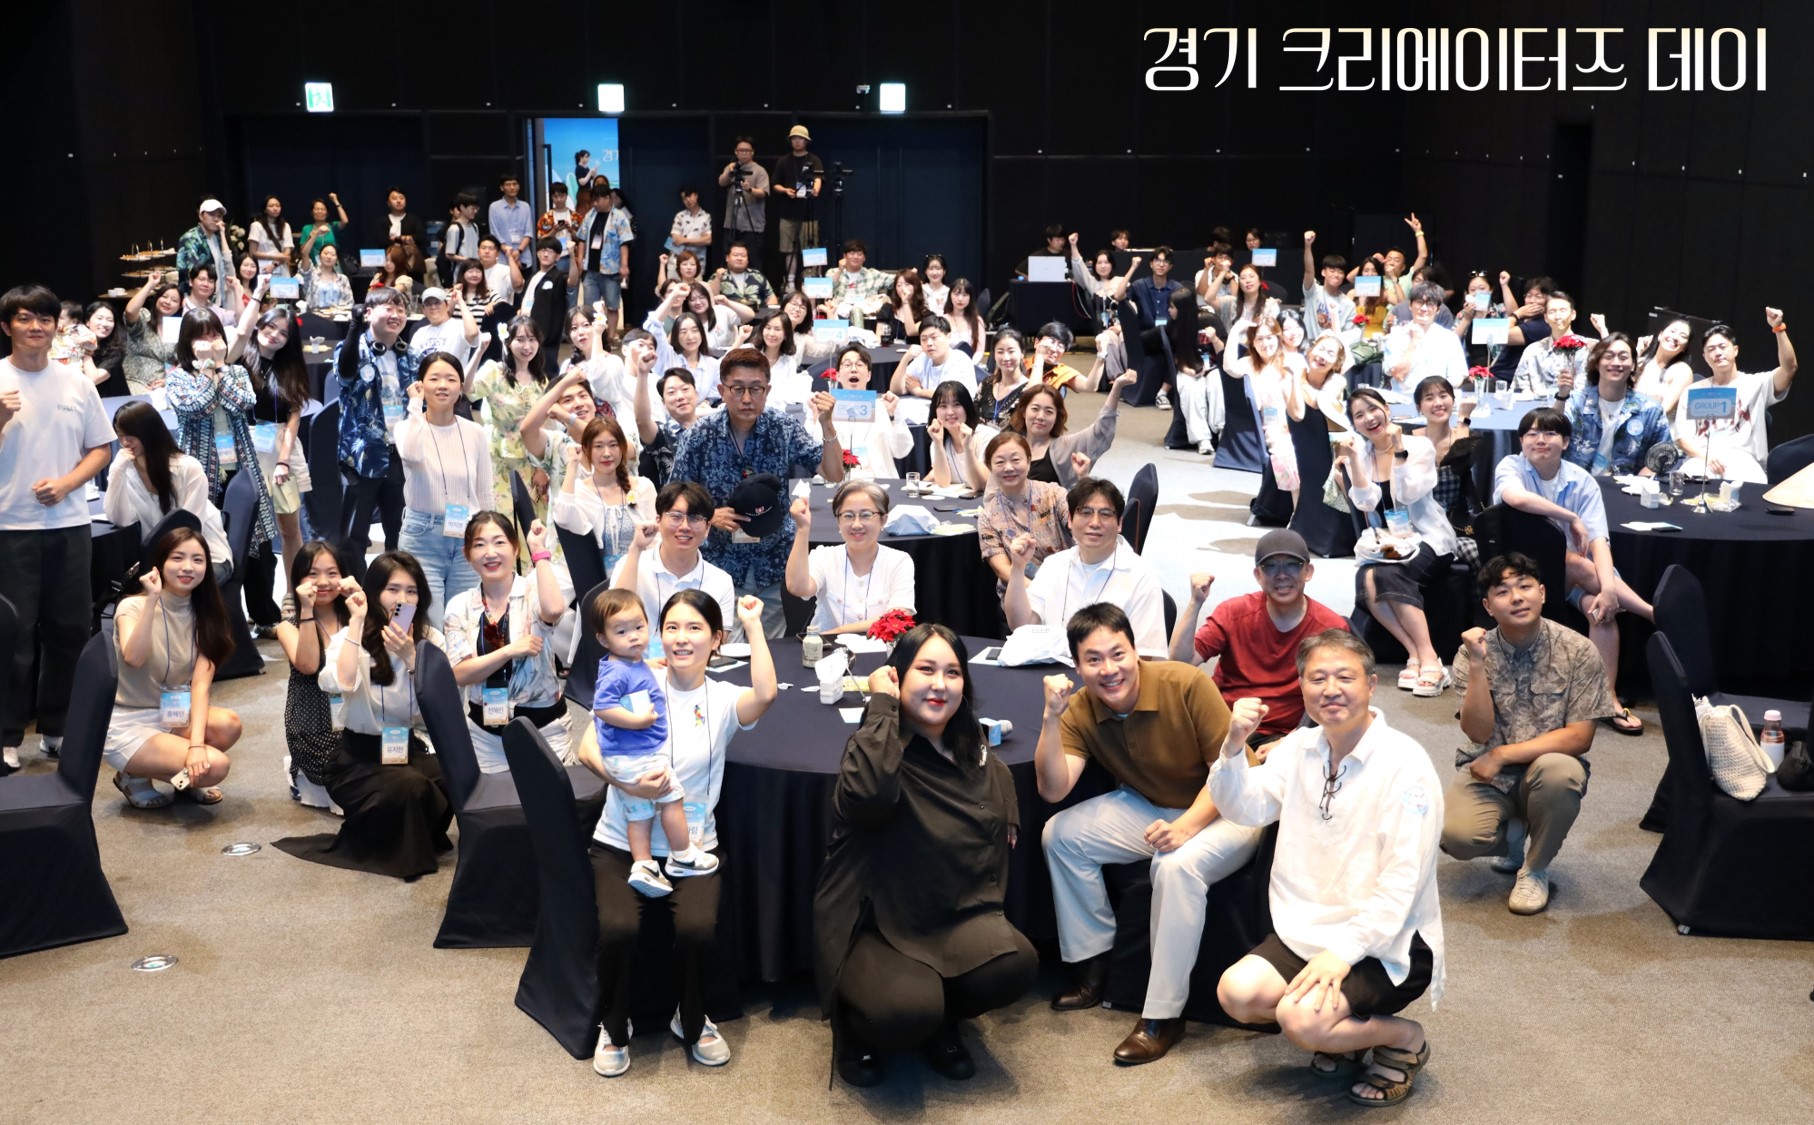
{"x":1086,"y":991}
{"x":947,"y":1056}
{"x":1149,"y":1040}
{"x":858,"y":1065}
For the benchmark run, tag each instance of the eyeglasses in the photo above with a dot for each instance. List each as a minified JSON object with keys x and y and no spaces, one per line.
{"x":676,"y":519}
{"x":1290,"y":568}
{"x":1421,"y":304}
{"x":864,"y":516}
{"x":744,"y":390}
{"x":1091,"y":515}
{"x":1332,"y":784}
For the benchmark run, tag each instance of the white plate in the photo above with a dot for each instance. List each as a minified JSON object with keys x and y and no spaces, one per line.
{"x":736,"y":650}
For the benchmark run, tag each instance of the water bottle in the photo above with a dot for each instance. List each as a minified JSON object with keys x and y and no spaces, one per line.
{"x":812,"y":646}
{"x":1772,"y":739}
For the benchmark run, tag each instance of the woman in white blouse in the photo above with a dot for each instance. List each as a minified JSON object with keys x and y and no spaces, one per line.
{"x":1404,"y":465}
{"x":859,"y":581}
{"x":151,"y":478}
{"x":880,"y":440}
{"x":500,"y":638}
{"x":446,"y":478}
{"x":599,"y":496}
{"x":789,"y":384}
{"x":383,"y":775}
{"x":1664,"y":373}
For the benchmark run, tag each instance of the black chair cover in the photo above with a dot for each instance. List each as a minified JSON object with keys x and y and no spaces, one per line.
{"x":1789,"y":458}
{"x":1239,"y":918}
{"x":522,"y":505}
{"x":559,"y":985}
{"x":1328,"y":533}
{"x":240,"y":509}
{"x":323,"y":500}
{"x":52,"y":889}
{"x":1271,"y":506}
{"x":1142,"y":500}
{"x":493,"y":899}
{"x":1501,"y":528}
{"x":1725,"y":867}
{"x":583,"y":676}
{"x":1681,"y":615}
{"x":585,"y":565}
{"x":1240,"y":447}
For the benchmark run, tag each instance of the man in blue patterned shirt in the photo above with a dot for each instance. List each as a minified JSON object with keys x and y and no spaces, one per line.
{"x":374,"y":374}
{"x":746,"y":439}
{"x":205,"y":243}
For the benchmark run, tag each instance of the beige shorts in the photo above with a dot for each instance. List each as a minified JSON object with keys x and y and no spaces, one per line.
{"x":128,"y":731}
{"x":798,"y":234}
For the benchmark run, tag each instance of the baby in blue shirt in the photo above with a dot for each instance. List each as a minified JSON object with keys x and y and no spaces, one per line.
{"x":629,"y":711}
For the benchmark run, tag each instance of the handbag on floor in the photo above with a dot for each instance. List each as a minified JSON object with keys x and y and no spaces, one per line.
{"x":1738,"y":764}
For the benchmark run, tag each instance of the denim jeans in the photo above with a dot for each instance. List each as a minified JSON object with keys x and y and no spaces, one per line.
{"x":443,"y":562}
{"x":593,"y":286}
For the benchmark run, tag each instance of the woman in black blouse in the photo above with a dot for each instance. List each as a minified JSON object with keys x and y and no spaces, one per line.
{"x":908,"y":915}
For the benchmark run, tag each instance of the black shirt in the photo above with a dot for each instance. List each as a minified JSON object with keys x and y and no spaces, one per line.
{"x":791,"y":172}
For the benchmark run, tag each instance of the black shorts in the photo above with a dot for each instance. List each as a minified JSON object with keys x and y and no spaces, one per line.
{"x":1369,"y":990}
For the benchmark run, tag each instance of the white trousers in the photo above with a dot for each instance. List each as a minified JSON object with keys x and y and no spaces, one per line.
{"x":489,"y":748}
{"x":1200,"y":396}
{"x":1112,"y":829}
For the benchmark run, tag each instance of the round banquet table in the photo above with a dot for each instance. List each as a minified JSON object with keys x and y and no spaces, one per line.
{"x":774,"y":814}
{"x":952,"y":584}
{"x":1747,"y":561}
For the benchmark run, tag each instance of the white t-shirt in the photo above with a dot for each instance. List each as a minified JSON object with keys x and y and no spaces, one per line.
{"x":1609,"y":413}
{"x":701,"y":724}
{"x":1746,"y":432}
{"x":957,"y":367}
{"x":843,"y":597}
{"x":1065,"y":584}
{"x":59,"y":419}
{"x":497,"y":279}
{"x":371,"y":707}
{"x":1438,"y":353}
{"x":655,"y":584}
{"x":448,"y":336}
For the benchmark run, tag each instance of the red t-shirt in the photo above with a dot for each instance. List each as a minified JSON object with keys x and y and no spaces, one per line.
{"x":1258,"y":661}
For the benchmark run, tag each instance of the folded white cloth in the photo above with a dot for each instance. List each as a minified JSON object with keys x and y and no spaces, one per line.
{"x":911,"y":519}
{"x":1035,"y":644}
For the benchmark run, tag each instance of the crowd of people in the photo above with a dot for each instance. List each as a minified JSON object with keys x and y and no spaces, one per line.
{"x":664,"y":451}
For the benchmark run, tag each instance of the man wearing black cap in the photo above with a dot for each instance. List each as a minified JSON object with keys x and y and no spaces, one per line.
{"x":726,"y":451}
{"x":1257,"y":635}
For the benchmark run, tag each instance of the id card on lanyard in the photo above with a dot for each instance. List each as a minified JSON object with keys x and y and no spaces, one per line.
{"x":395,"y":746}
{"x":225,"y":451}
{"x":453,"y":524}
{"x":496,"y":701}
{"x":173,"y":709}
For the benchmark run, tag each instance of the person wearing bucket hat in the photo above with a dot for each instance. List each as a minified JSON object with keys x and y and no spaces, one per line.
{"x":798,"y":177}
{"x":205,"y":244}
{"x":739,"y":446}
{"x":1257,"y":635}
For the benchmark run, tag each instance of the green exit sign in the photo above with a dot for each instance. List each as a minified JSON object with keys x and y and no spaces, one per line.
{"x":318,"y":97}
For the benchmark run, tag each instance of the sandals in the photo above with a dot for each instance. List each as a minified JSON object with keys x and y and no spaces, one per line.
{"x":208,"y":795}
{"x":140,"y":793}
{"x":1325,"y":1065}
{"x":1407,"y":679}
{"x":1618,"y":720}
{"x":1393,"y":1090}
{"x":1432,"y":680}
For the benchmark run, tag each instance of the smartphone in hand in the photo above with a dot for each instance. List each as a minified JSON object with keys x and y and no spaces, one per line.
{"x":404,"y":615}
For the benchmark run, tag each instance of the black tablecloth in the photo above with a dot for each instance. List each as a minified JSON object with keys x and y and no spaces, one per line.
{"x":774,"y":816}
{"x":1750,"y":565}
{"x":951,"y":583}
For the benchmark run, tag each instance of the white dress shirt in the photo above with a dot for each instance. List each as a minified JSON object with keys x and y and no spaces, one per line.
{"x":1362,"y":883}
{"x":1065,"y":584}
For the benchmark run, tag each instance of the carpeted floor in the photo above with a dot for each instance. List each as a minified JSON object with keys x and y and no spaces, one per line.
{"x":306,"y":993}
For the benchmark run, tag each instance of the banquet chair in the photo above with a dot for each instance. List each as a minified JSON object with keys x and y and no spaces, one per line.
{"x":1142,"y":500}
{"x":1725,"y":867}
{"x":1681,"y":615}
{"x":1240,"y":446}
{"x":585,"y":565}
{"x":522,"y":505}
{"x":1327,"y":531}
{"x":173,"y":519}
{"x":55,"y":892}
{"x":326,"y":493}
{"x":1448,"y":606}
{"x":239,"y":511}
{"x":492,"y":901}
{"x":583,"y":676}
{"x":559,"y":985}
{"x":1789,"y":458}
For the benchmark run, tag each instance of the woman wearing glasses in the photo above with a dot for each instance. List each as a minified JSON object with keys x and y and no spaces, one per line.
{"x":860,"y":581}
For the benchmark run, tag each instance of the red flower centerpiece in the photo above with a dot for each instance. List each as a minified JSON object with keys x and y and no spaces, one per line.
{"x":1570,"y":343}
{"x":851,"y":460}
{"x":1359,"y":319}
{"x":1478,"y":372}
{"x":890,"y":626}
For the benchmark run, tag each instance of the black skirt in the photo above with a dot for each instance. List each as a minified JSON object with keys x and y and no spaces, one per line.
{"x":396,"y":816}
{"x":1402,"y":583}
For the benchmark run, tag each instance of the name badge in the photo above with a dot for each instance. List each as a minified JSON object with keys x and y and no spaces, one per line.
{"x":395,"y":746}
{"x":225,"y":451}
{"x":598,"y":243}
{"x":695,"y":811}
{"x":393,"y":415}
{"x":453,"y":524}
{"x":497,"y":705}
{"x":1161,"y":321}
{"x":264,"y":438}
{"x":653,"y":650}
{"x":337,"y":711}
{"x":173,"y":709}
{"x":638,"y":702}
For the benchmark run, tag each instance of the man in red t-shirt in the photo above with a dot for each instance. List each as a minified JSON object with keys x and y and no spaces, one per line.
{"x":1257,"y":635}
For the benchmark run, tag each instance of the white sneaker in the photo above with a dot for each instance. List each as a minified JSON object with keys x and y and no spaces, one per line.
{"x":51,"y":744}
{"x":1206,"y":447}
{"x":1513,"y":859}
{"x":711,"y":1049}
{"x":608,"y":1059}
{"x":647,"y":880}
{"x":1530,"y":895}
{"x":694,"y":861}
{"x":10,"y":757}
{"x":1162,"y":401}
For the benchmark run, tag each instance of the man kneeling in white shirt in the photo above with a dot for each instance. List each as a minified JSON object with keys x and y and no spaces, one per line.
{"x":1357,"y":929}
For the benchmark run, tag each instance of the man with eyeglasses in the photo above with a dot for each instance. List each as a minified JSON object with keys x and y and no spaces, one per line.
{"x":1357,"y":924}
{"x":744,"y":440}
{"x":1420,"y":349}
{"x":1102,"y":567}
{"x":683,"y":515}
{"x":1256,"y":636}
{"x":1155,"y":726}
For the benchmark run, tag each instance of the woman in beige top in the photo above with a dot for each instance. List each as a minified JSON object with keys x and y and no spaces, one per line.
{"x":171,"y":638}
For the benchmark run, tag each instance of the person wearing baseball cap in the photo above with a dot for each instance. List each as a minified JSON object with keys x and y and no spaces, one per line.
{"x":205,"y":243}
{"x":1257,"y":635}
{"x":442,"y":332}
{"x":797,"y":180}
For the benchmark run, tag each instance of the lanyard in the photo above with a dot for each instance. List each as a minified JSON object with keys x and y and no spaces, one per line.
{"x":689,"y":582}
{"x":434,"y":439}
{"x":164,"y":616}
{"x":850,"y":580}
{"x":1108,"y":572}
{"x":408,"y":695}
{"x":705,"y":720}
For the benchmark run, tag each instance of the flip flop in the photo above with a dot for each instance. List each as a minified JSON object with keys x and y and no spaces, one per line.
{"x":1613,"y":721}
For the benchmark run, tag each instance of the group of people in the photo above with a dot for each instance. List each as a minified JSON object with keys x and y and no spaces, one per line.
{"x":633,"y":492}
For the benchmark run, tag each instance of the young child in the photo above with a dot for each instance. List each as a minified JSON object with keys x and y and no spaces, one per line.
{"x":630,"y":708}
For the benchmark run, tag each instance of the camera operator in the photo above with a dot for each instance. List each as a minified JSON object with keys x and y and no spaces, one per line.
{"x":798,"y":179}
{"x":746,"y":201}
